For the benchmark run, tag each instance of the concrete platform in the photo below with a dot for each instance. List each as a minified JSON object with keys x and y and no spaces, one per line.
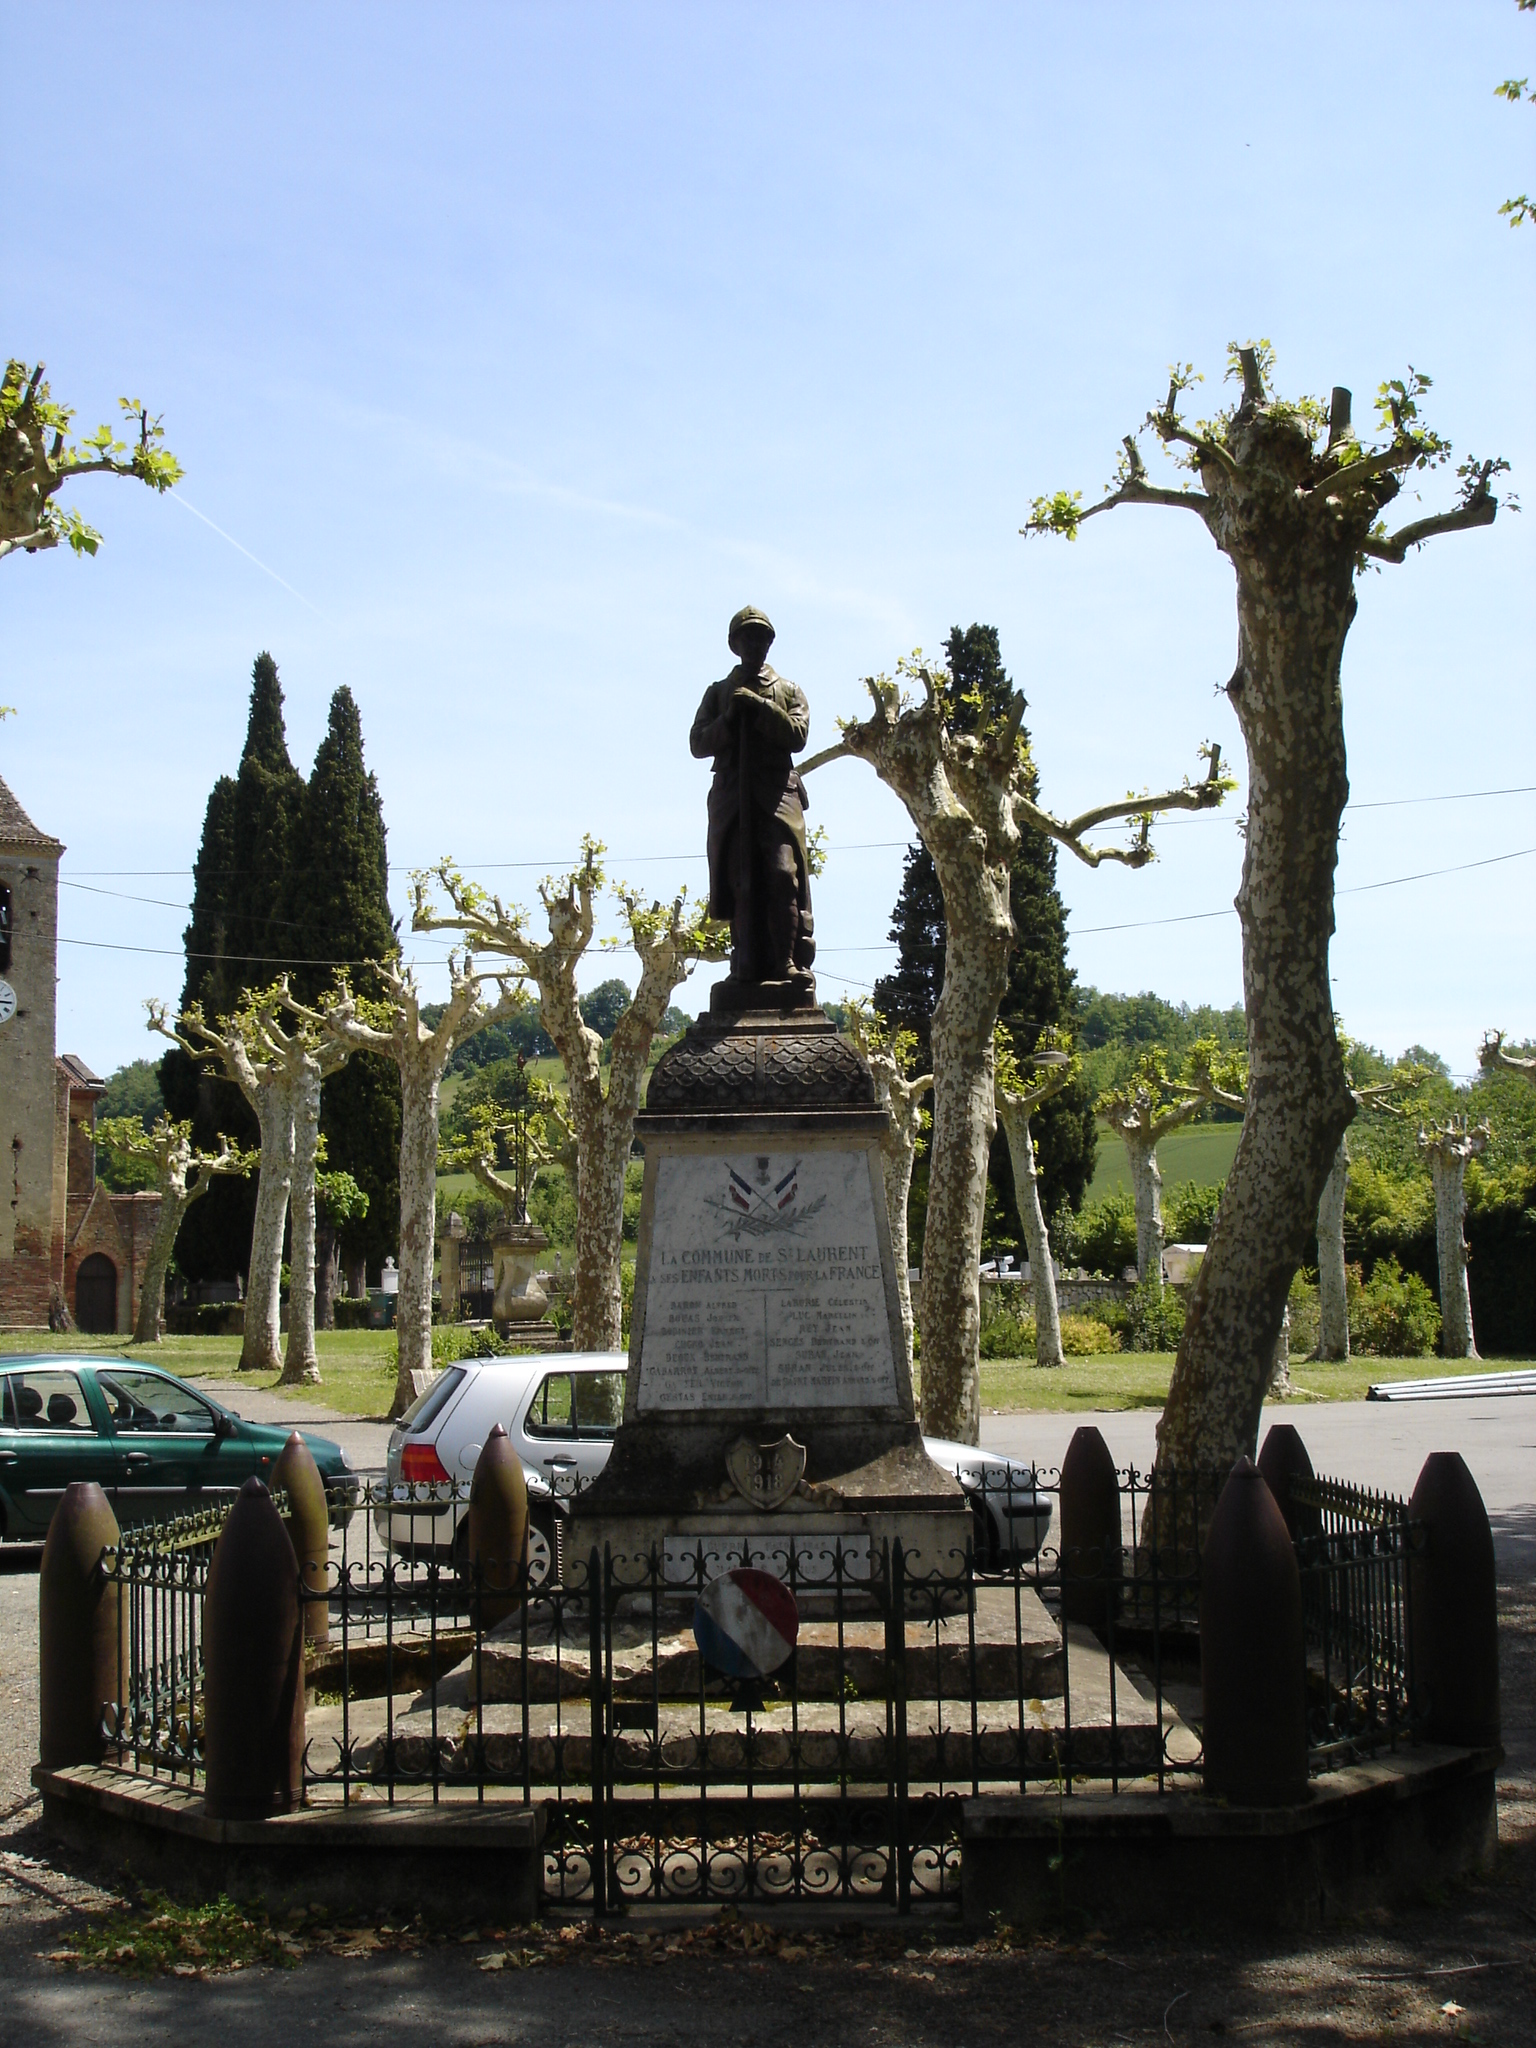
{"x":444,"y":1862}
{"x":1108,"y":1726}
{"x":1375,"y":1834}
{"x":1017,"y":1652}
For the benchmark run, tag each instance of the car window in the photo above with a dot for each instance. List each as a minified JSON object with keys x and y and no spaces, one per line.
{"x":52,"y":1398}
{"x":599,"y":1402}
{"x":550,"y":1414}
{"x":144,"y":1401}
{"x":426,"y":1408}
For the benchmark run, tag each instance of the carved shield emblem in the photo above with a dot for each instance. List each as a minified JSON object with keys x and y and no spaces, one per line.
{"x":765,"y":1474}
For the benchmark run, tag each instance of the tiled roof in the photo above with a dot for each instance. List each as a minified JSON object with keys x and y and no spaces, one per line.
{"x":17,"y":829}
{"x":79,"y":1072}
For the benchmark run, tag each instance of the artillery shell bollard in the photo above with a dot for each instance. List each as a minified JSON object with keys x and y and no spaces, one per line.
{"x":1253,"y":1664}
{"x":253,"y":1665}
{"x":1090,"y":1529}
{"x":498,"y":1528}
{"x":1282,"y":1458}
{"x":1453,"y":1607}
{"x":82,"y":1630}
{"x":308,"y":1522}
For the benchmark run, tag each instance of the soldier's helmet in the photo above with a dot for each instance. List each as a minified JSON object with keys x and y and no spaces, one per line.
{"x":749,"y":615}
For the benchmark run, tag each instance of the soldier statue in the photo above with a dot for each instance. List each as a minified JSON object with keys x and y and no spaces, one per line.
{"x":759,"y":878}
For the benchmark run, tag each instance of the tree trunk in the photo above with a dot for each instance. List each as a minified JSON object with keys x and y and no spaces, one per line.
{"x":603,"y":1144}
{"x":1147,"y":1190}
{"x":1295,"y":604}
{"x":301,"y":1366}
{"x":902,"y":1101}
{"x":174,"y":1204}
{"x":1280,"y":1366}
{"x":1042,"y":1273}
{"x":1448,"y":1170}
{"x":419,"y":1083}
{"x":260,"y":1349}
{"x":326,"y":1271}
{"x":896,"y":1166}
{"x":964,"y":1119}
{"x":1332,"y":1287}
{"x":357,"y":1278}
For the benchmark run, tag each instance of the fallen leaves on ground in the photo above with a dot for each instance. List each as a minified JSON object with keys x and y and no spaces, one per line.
{"x":157,"y":1938}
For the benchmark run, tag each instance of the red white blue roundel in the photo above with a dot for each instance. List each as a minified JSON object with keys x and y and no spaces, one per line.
{"x":746,"y":1622}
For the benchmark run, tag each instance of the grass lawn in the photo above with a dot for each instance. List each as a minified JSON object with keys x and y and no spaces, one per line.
{"x":358,"y":1372}
{"x":1201,"y":1153}
{"x":357,"y":1367}
{"x":1139,"y":1379}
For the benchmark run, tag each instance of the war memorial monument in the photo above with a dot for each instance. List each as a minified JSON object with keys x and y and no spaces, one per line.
{"x":769,"y":1398}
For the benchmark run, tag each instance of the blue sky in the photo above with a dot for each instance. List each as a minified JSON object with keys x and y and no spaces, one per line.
{"x":523,"y":344}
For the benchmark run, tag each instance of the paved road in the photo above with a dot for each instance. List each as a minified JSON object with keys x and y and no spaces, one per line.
{"x":1380,"y":1444}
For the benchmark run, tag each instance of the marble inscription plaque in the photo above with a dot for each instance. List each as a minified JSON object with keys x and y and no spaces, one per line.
{"x":765,"y":1288}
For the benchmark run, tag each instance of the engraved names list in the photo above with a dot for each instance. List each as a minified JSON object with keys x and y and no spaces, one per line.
{"x":765,"y":1287}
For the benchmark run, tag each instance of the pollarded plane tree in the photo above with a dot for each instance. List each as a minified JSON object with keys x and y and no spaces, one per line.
{"x":489,"y":1131}
{"x":1449,"y":1146}
{"x":967,"y":794}
{"x":668,"y":941}
{"x":900,"y":1093}
{"x":1295,"y":500}
{"x":392,"y":1024}
{"x":338,"y":1201}
{"x":1144,"y":1109}
{"x":37,"y":459}
{"x":279,"y":1067}
{"x":182,"y":1174}
{"x":1382,"y":1098}
{"x":1022,"y":1087}
{"x":1493,"y":1059}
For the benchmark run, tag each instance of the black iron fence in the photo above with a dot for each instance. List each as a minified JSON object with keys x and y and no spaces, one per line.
{"x":1354,"y":1549}
{"x":1069,"y":1665}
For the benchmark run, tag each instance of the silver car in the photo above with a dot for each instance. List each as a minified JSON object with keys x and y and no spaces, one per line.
{"x":561,"y":1414}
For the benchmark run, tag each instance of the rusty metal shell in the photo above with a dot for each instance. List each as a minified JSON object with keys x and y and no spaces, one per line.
{"x":498,"y":1527}
{"x":82,"y":1630}
{"x":1253,"y":1665}
{"x":253,"y":1658}
{"x":1453,"y":1606}
{"x":1090,"y":1529}
{"x":308,"y":1522}
{"x":1282,"y":1458}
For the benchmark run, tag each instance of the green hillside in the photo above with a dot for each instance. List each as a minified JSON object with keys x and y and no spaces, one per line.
{"x":1201,"y":1153}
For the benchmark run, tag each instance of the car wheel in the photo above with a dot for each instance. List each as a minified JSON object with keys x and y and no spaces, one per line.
{"x":541,"y":1548}
{"x":983,"y":1538}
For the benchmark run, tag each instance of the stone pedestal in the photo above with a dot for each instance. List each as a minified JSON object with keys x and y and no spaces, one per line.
{"x":519,"y":1300}
{"x":768,"y":1400}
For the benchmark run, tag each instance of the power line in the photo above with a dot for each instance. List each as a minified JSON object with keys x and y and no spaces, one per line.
{"x":564,"y":862}
{"x":1087,"y":931}
{"x":884,"y":946}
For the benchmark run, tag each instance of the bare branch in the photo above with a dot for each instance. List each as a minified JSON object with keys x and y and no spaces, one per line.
{"x":1338,"y":416}
{"x":1133,"y":492}
{"x":820,"y":760}
{"x":1208,"y":450}
{"x":1195,"y":796}
{"x":1479,"y":511}
{"x":1492,"y":1058}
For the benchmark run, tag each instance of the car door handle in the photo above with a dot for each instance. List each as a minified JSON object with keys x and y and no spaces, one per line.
{"x":8,"y":1459}
{"x":137,"y":1460}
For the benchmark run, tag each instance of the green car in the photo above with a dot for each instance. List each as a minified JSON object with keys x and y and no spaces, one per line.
{"x":154,"y":1445}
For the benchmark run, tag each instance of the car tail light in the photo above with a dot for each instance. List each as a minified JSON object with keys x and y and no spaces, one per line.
{"x":421,"y":1462}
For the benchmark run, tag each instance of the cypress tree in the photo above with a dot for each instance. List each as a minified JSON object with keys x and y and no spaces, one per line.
{"x":235,"y":940}
{"x":337,"y":910}
{"x":1041,"y":988}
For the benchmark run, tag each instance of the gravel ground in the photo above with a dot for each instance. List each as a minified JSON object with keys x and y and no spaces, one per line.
{"x":1460,"y":1967}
